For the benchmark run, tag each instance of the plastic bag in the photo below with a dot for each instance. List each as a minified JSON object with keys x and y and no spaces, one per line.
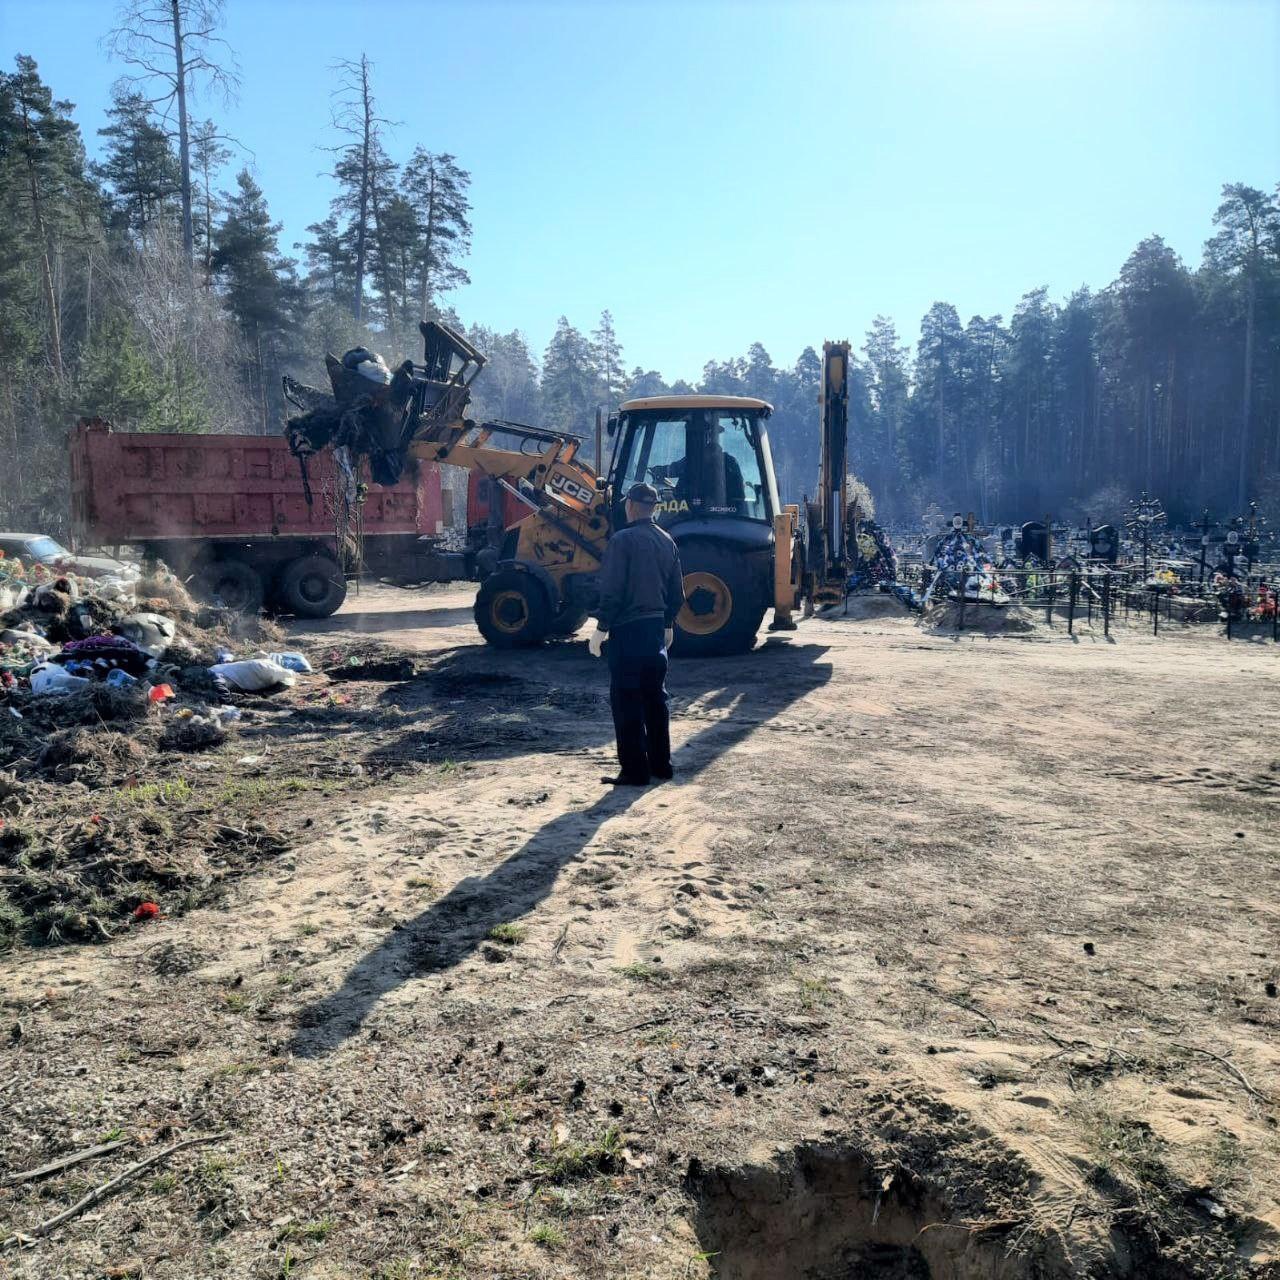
{"x":151,"y":632}
{"x":48,"y":677}
{"x":290,"y":661}
{"x":254,"y":674}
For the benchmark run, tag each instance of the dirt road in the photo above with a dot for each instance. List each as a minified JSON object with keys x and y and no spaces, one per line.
{"x":944,"y":956}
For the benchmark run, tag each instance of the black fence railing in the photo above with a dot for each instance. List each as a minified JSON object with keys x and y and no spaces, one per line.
{"x":1106,"y":595}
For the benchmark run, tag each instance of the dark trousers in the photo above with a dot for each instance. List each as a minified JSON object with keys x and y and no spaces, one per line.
{"x":638,"y":697}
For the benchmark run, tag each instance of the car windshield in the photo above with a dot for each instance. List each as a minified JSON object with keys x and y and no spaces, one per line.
{"x":46,"y":549}
{"x":701,"y":462}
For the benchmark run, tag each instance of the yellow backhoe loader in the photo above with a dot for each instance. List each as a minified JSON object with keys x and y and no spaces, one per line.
{"x":743,"y":552}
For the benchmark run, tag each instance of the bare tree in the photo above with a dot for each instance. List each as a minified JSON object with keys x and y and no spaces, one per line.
{"x":187,"y":333}
{"x":171,"y":45}
{"x":363,"y":170}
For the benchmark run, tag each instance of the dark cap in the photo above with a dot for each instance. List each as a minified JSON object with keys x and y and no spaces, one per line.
{"x":645,"y":494}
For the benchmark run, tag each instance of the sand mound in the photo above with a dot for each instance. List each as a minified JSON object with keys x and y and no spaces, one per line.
{"x":991,"y":620}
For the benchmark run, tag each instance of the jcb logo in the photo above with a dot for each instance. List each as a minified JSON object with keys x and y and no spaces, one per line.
{"x":561,"y":483}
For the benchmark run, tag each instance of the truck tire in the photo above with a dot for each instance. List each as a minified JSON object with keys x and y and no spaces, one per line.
{"x":512,"y":610}
{"x":230,"y":583}
{"x":311,"y":587}
{"x":724,"y":601}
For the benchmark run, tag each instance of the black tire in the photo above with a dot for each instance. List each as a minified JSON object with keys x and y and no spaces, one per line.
{"x":230,"y":584}
{"x":567,"y":621}
{"x":512,"y":610}
{"x":724,"y":601}
{"x":311,"y":587}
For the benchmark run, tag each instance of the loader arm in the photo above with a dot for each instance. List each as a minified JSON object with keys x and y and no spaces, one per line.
{"x":569,"y":508}
{"x":827,"y":567}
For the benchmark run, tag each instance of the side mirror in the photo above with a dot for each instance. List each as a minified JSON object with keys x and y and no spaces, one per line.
{"x":612,"y":425}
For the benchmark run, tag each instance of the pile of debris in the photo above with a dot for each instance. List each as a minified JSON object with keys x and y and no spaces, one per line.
{"x":68,"y":635}
{"x":100,"y":680}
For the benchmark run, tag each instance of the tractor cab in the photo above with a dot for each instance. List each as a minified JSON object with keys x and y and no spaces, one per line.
{"x":708,"y":457}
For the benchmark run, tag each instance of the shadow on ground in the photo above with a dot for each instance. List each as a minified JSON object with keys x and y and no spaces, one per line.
{"x":452,"y":928}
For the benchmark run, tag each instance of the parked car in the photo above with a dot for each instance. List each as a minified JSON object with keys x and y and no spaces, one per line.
{"x":39,"y":548}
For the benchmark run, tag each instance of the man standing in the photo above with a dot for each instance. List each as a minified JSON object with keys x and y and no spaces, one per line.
{"x":641,"y":591}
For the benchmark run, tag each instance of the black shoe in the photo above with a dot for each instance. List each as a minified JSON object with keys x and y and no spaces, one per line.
{"x":623,"y":781}
{"x":665,"y":775}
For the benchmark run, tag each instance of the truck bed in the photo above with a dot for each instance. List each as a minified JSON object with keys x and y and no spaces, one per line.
{"x":138,"y":487}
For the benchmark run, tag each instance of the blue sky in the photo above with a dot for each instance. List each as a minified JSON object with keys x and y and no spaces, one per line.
{"x":717,"y":173}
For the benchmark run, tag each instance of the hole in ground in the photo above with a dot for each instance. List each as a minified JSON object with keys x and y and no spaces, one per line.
{"x":824,"y":1213}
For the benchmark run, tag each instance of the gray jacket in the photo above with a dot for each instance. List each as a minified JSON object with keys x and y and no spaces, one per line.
{"x":640,"y":577}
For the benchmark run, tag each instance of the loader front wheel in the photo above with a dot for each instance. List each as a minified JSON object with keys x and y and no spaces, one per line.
{"x":512,"y":610}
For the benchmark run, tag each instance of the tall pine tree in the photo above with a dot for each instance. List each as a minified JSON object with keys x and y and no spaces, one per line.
{"x":260,"y":289}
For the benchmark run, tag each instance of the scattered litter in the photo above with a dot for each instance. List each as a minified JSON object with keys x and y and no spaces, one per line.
{"x":296,"y":662}
{"x":151,"y":632}
{"x":49,"y":678}
{"x":254,"y":675}
{"x":193,"y":733}
{"x":103,"y":679}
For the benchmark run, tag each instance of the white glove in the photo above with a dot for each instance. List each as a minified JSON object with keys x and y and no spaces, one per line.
{"x":595,"y":645}
{"x":668,"y":637}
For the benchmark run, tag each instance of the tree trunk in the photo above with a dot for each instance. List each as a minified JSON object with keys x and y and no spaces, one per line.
{"x":46,"y":266}
{"x":428,"y":242}
{"x":1246,"y":409}
{"x":88,"y":299}
{"x":1148,"y":428}
{"x":362,"y":223}
{"x":383,"y":261}
{"x":208,"y":231}
{"x":184,"y":141}
{"x":262,"y":382}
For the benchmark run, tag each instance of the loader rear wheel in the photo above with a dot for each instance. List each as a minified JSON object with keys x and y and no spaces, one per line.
{"x":723,"y":602}
{"x":512,"y":610}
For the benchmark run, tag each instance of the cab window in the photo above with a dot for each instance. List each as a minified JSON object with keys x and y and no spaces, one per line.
{"x":731,"y":468}
{"x":702,"y":463}
{"x":657,"y":458}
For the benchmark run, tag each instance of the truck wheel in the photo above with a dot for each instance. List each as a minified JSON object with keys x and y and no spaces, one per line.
{"x":512,"y":610}
{"x":567,"y":621}
{"x":231,"y":584}
{"x":312,"y":587}
{"x":724,"y":602}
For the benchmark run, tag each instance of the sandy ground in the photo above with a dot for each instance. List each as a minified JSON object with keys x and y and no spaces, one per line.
{"x":944,"y":956}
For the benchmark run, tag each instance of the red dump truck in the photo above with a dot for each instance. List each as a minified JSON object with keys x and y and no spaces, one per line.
{"x":230,"y":513}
